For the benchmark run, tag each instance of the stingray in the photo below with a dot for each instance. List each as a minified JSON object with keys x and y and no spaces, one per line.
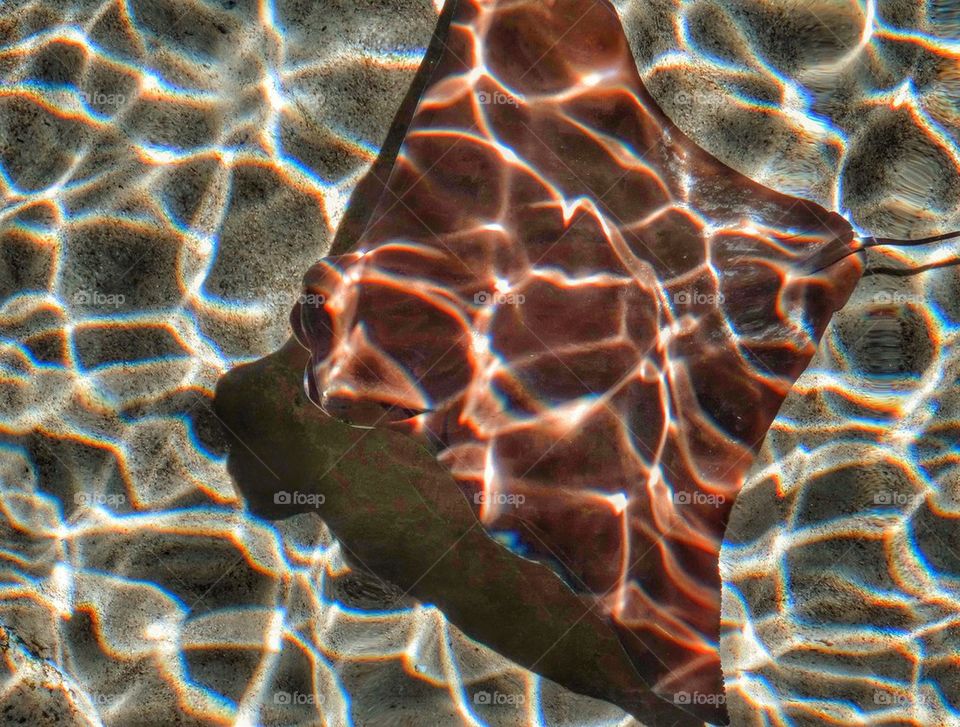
{"x":588,"y":320}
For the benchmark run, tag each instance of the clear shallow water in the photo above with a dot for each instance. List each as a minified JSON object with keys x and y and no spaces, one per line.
{"x":189,"y":174}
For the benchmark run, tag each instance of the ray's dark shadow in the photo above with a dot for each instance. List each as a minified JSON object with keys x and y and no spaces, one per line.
{"x":399,"y":514}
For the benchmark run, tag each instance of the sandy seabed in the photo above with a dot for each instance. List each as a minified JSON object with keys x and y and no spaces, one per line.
{"x":168,"y":171}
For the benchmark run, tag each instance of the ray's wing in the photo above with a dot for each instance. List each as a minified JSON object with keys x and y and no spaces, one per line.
{"x":592,"y":320}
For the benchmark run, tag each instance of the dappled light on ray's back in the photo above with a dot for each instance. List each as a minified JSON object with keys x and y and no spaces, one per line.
{"x":590,"y":320}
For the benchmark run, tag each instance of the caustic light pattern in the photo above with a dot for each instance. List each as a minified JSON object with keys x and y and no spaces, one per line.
{"x":168,"y":170}
{"x":591,"y":319}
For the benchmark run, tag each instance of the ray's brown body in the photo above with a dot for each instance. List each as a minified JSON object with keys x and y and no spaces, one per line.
{"x":590,"y":320}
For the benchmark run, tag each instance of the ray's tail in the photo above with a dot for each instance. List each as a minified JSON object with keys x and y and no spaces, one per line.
{"x":869,"y":242}
{"x":824,"y":260}
{"x":880,"y":241}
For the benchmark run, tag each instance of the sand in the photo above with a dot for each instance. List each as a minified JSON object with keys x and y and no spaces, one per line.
{"x":167,"y":172}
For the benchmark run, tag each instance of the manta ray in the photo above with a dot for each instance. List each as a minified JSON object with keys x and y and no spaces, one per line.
{"x":588,"y":320}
